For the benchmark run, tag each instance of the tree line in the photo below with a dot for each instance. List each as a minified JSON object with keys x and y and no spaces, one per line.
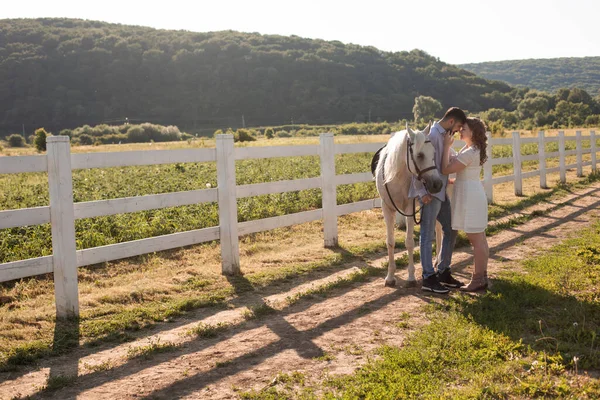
{"x":547,"y":75}
{"x":65,"y":73}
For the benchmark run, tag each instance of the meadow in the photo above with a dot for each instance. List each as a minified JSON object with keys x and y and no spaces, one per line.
{"x":31,"y":190}
{"x":119,"y":298}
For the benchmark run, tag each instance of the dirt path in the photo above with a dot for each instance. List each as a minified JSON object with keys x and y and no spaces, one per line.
{"x":316,"y":336}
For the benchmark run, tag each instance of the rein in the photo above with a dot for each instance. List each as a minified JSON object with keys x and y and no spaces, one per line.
{"x":419,"y":174}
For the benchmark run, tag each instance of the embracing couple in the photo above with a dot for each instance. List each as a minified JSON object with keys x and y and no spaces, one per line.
{"x":466,"y":210}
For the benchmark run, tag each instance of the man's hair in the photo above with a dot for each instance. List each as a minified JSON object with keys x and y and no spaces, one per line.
{"x":457,"y":114}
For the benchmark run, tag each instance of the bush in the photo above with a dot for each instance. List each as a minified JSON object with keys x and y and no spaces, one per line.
{"x":187,"y":136}
{"x":497,"y":128}
{"x":114,"y":138}
{"x":169,"y":133}
{"x":135,"y":134}
{"x":16,"y":141}
{"x":243,"y":135}
{"x":269,"y":133}
{"x":283,"y":134}
{"x":40,"y":139}
{"x":593,"y":120}
{"x":85,"y":140}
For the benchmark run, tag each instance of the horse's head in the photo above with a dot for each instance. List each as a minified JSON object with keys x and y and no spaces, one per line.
{"x":421,"y":159}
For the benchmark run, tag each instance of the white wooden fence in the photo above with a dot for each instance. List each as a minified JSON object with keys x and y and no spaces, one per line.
{"x":62,"y":212}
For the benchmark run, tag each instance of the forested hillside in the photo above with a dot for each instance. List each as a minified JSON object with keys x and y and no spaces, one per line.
{"x":64,"y":73}
{"x":544,"y":74}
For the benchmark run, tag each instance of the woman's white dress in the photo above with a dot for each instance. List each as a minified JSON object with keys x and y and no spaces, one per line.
{"x":469,"y":202}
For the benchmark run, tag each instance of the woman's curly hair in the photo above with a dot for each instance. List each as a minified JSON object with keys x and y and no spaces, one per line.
{"x":479,"y":129}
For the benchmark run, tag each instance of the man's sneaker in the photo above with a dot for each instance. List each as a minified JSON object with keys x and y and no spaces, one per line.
{"x":446,"y":279}
{"x":431,"y":284}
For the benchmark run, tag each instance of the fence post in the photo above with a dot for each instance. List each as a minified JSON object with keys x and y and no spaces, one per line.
{"x":579,"y":154}
{"x":328,"y":187}
{"x":62,"y":220}
{"x":542,"y":159}
{"x":488,"y":184}
{"x":593,"y":149}
{"x":517,"y":164}
{"x":562,"y":157}
{"x":230,"y":251}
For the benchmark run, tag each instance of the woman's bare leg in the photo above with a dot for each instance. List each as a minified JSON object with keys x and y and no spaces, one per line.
{"x":481,"y":254}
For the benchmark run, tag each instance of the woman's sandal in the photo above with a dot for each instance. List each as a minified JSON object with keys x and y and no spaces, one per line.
{"x":476,"y":285}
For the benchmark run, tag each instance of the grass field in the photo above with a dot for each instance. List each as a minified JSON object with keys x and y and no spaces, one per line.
{"x":122,"y":297}
{"x":531,"y":336}
{"x":31,"y":190}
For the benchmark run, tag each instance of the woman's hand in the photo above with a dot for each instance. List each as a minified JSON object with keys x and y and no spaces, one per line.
{"x":448,"y":140}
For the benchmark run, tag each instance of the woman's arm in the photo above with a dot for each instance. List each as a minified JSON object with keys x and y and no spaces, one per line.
{"x":450,"y":166}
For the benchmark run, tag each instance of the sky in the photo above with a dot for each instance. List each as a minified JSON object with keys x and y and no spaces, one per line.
{"x":459,"y":31}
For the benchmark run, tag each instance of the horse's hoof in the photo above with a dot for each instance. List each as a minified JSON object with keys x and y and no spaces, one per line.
{"x":390,"y":283}
{"x":411,"y":284}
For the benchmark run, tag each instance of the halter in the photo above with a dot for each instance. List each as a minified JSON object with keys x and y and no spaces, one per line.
{"x":419,"y":174}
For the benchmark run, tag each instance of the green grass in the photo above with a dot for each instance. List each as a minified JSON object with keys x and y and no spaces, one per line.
{"x":258,"y":311}
{"x":119,"y":318}
{"x":203,"y":330}
{"x":31,"y":190}
{"x":59,"y":381}
{"x":152,"y":348}
{"x":525,"y":338}
{"x":342,"y":282}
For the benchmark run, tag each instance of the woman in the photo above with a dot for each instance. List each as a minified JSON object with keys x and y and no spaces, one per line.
{"x":469,"y":203}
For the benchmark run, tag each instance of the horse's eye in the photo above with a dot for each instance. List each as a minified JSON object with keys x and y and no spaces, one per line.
{"x":421,"y":156}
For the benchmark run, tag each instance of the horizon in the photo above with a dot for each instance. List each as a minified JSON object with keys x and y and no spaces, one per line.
{"x":573,"y":39}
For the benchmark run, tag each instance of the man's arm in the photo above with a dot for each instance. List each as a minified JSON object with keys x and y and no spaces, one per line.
{"x":437,"y":140}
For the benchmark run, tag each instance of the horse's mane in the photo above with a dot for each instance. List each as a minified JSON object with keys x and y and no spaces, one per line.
{"x":395,"y":161}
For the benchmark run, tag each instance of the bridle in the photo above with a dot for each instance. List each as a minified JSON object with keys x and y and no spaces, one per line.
{"x":418,"y":174}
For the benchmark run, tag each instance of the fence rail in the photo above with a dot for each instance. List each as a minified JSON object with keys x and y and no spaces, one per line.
{"x":62,"y":212}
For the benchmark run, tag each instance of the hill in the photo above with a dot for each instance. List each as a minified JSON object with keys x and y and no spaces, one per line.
{"x":63,"y":73}
{"x":544,"y":74}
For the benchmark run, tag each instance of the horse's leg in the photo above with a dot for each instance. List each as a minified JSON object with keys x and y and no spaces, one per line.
{"x":409,"y":241}
{"x":400,"y":220}
{"x":389,"y":216}
{"x":438,"y":242}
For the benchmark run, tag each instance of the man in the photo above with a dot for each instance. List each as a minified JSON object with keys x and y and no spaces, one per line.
{"x":437,"y":207}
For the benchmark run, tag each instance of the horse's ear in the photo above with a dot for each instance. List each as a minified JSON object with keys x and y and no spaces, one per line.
{"x":411,"y":134}
{"x":427,"y":129}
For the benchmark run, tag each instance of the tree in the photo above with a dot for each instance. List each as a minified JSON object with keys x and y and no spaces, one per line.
{"x":85,"y":140}
{"x":243,"y":135}
{"x":580,"y":96}
{"x":426,"y":108}
{"x":571,"y":114}
{"x":16,"y":141}
{"x":530,"y":106}
{"x":66,"y":73}
{"x":40,"y":139}
{"x":269,"y":133}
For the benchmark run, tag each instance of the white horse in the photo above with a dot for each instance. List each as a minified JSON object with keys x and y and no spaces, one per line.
{"x":406,"y":154}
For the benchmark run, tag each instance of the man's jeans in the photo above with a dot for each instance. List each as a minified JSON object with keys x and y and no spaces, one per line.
{"x":441,"y":211}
